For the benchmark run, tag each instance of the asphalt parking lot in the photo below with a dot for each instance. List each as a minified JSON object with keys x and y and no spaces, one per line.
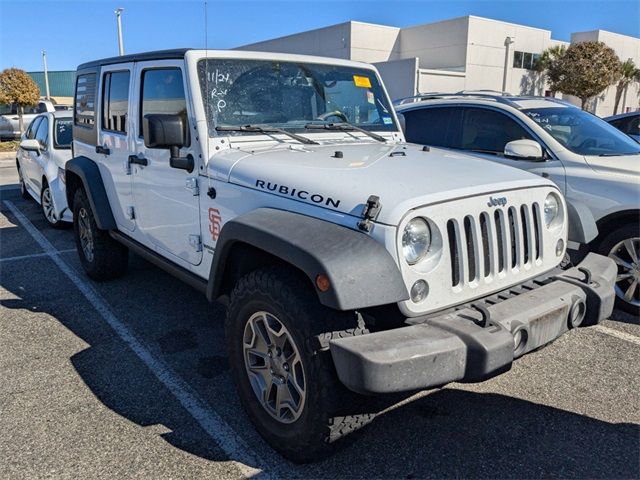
{"x":129,"y":379}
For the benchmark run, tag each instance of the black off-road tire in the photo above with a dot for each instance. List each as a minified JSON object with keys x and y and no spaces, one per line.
{"x":109,"y":258}
{"x":604,"y":247}
{"x":330,"y":411}
{"x":23,"y":187}
{"x":58,"y":224}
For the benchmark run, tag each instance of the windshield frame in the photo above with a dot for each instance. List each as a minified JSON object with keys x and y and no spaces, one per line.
{"x":299,"y":127}
{"x":615,"y":134}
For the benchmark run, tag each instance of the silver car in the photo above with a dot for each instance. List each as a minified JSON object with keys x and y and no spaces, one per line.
{"x":10,"y":120}
{"x":628,"y":123}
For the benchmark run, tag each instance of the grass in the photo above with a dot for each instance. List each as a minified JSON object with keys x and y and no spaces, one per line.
{"x":10,"y":146}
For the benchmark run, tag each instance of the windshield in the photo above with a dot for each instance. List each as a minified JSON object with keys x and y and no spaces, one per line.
{"x":583,"y":133}
{"x":62,"y":133}
{"x":290,"y":95}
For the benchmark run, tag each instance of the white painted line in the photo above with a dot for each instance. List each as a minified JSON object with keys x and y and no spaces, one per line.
{"x":617,"y":334}
{"x":216,"y":428}
{"x":35,"y":255}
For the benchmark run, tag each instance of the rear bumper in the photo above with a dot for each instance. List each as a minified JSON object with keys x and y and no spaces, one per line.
{"x":482,"y":340}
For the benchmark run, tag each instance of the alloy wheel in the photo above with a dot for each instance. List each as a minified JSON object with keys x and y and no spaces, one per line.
{"x":626,"y":254}
{"x":274,"y":367}
{"x":85,"y":234}
{"x":47,"y":206}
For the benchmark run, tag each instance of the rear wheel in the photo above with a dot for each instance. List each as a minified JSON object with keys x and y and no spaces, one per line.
{"x":290,"y":389}
{"x":101,"y":256}
{"x":623,"y":247}
{"x":23,"y":187}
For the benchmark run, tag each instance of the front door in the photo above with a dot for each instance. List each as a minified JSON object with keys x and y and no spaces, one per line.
{"x":166,"y":204}
{"x":114,"y":140}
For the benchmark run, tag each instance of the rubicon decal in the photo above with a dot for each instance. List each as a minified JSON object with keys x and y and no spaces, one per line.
{"x":215,"y":220}
{"x":298,"y":193}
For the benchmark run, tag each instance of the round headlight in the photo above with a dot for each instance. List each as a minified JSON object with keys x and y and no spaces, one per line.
{"x":551,"y":209}
{"x":416,"y":240}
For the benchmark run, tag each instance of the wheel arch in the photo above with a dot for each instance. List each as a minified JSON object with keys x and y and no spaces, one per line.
{"x":613,"y":221}
{"x":82,"y":172}
{"x":361,"y":272}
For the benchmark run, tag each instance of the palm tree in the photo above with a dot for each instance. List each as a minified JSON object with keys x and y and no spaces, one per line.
{"x":546,"y":58}
{"x":630,"y":74}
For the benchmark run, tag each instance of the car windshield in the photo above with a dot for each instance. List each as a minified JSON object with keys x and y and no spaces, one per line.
{"x":62,"y":133}
{"x":290,"y":96}
{"x":582,"y":132}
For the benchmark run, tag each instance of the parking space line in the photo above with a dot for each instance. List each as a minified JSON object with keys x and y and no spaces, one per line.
{"x":237,"y":451}
{"x":36,"y":255}
{"x":617,"y":334}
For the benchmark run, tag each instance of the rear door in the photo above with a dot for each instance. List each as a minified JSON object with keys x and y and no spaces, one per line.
{"x":114,"y":140}
{"x":166,"y":208}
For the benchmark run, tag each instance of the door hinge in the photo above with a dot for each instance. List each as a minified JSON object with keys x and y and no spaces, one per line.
{"x":195,"y":242}
{"x":131,"y":213}
{"x":192,"y":184}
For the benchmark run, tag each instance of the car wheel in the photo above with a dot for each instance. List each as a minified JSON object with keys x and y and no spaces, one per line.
{"x":100,"y":255}
{"x":48,"y":210}
{"x":23,"y":187}
{"x":623,"y":247}
{"x":288,"y":388}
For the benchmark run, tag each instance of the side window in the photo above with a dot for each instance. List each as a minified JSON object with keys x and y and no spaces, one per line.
{"x":85,"y":114}
{"x":115,"y":101}
{"x":42,"y":134}
{"x":33,"y":128}
{"x":633,"y":127}
{"x":430,"y":126}
{"x":42,"y":107}
{"x":489,"y":131}
{"x":162,"y":92}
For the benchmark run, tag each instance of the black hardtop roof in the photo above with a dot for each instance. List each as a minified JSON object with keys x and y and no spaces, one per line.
{"x":137,"y":57}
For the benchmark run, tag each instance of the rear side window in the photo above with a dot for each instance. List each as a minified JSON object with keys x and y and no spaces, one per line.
{"x":488,"y":131}
{"x":85,"y":101}
{"x":430,"y":126}
{"x":628,"y":125}
{"x":162,"y":92}
{"x":115,"y":101}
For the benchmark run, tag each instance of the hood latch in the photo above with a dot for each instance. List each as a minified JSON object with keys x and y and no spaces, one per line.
{"x":370,"y":213}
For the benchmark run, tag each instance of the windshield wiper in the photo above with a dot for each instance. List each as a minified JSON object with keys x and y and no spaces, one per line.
{"x":345,"y":127}
{"x":258,"y":129}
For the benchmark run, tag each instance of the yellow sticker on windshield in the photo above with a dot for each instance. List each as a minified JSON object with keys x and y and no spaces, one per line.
{"x":362,"y":82}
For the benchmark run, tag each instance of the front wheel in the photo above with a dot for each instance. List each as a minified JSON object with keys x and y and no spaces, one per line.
{"x":289,"y":389}
{"x":48,"y":210}
{"x":23,"y":186}
{"x":623,"y":247}
{"x":100,"y":255}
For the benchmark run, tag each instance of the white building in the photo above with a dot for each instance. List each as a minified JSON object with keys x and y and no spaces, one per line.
{"x":467,"y":53}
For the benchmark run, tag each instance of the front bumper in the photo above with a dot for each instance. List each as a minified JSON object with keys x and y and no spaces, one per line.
{"x":480,"y":340}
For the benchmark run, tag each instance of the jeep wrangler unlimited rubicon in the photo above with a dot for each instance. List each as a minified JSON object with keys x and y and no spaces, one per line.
{"x":351,"y":262}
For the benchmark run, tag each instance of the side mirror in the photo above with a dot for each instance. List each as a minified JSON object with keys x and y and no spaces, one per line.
{"x":524,"y":150}
{"x":31,"y":145}
{"x":168,"y":131}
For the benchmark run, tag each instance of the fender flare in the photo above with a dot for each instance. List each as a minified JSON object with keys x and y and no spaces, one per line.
{"x":89,"y":174}
{"x":582,"y":224}
{"x":361,"y":271}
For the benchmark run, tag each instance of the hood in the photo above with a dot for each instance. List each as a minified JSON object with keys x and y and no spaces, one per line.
{"x":341,"y":177}
{"x":621,"y":165}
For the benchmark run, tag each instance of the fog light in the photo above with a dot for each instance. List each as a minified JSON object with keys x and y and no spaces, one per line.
{"x":520,"y":338}
{"x":560,"y":247}
{"x":419,"y":291}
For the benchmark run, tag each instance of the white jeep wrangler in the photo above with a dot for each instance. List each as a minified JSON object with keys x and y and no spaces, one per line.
{"x":352,"y":262}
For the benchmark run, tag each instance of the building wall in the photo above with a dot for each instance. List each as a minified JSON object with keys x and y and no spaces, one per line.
{"x":625,"y":47}
{"x":374,"y":43}
{"x":400,"y":77}
{"x":61,"y":83}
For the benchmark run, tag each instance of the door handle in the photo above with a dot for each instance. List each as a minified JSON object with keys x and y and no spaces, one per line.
{"x":138,"y":160}
{"x":103,"y":150}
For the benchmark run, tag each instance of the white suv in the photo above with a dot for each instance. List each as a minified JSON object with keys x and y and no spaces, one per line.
{"x":596,"y":166}
{"x":351,"y":262}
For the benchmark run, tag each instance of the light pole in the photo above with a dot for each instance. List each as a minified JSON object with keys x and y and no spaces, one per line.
{"x":46,"y":74}
{"x":118,"y":13}
{"x":507,"y":43}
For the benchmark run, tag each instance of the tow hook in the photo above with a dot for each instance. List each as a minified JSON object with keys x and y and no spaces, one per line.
{"x":370,"y":213}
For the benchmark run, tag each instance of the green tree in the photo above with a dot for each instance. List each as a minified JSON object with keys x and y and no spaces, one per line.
{"x":544,"y":61}
{"x":585,"y":70}
{"x":16,"y":86}
{"x":629,"y":74}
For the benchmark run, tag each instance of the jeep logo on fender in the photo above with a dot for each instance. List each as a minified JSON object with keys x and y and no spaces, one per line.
{"x":296,"y":193}
{"x":494,"y":202}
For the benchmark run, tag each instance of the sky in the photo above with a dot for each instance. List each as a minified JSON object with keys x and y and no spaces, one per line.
{"x":73,"y":32}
